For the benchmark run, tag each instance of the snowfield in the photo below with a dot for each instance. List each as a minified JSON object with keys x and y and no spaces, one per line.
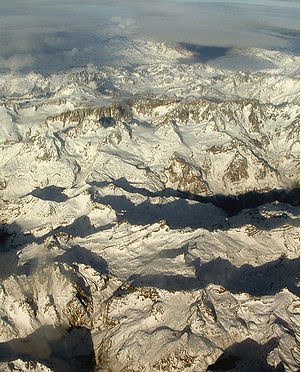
{"x":150,"y":214}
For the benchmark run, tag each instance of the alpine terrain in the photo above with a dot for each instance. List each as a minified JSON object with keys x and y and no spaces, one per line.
{"x":150,"y":213}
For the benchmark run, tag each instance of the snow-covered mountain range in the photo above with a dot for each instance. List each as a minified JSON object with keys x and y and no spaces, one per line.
{"x":150,"y":214}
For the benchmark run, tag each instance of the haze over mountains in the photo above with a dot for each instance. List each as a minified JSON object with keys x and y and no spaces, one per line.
{"x":149,"y":194}
{"x":49,"y":36}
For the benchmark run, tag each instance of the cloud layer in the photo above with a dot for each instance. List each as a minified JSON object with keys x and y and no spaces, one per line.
{"x":47,"y":36}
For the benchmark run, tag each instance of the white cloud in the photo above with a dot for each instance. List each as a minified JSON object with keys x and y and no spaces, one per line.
{"x":128,"y":24}
{"x":17,"y":62}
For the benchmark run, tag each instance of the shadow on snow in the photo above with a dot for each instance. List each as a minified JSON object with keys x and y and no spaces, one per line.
{"x":267,"y":279}
{"x":231,"y":204}
{"x":56,"y":347}
{"x":246,"y":356}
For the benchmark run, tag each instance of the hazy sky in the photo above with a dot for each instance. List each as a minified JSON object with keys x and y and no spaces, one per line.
{"x":59,"y":33}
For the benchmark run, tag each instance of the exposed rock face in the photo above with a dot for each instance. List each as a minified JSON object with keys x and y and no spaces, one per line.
{"x":116,"y":112}
{"x":182,"y":176}
{"x":237,"y":171}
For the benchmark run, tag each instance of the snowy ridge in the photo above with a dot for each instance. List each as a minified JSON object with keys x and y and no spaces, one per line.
{"x":150,"y":210}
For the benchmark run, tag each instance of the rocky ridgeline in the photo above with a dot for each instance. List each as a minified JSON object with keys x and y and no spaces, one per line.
{"x":115,"y":112}
{"x":245,"y":131}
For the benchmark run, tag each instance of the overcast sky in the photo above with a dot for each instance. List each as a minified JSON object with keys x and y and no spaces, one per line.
{"x":59,"y":33}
